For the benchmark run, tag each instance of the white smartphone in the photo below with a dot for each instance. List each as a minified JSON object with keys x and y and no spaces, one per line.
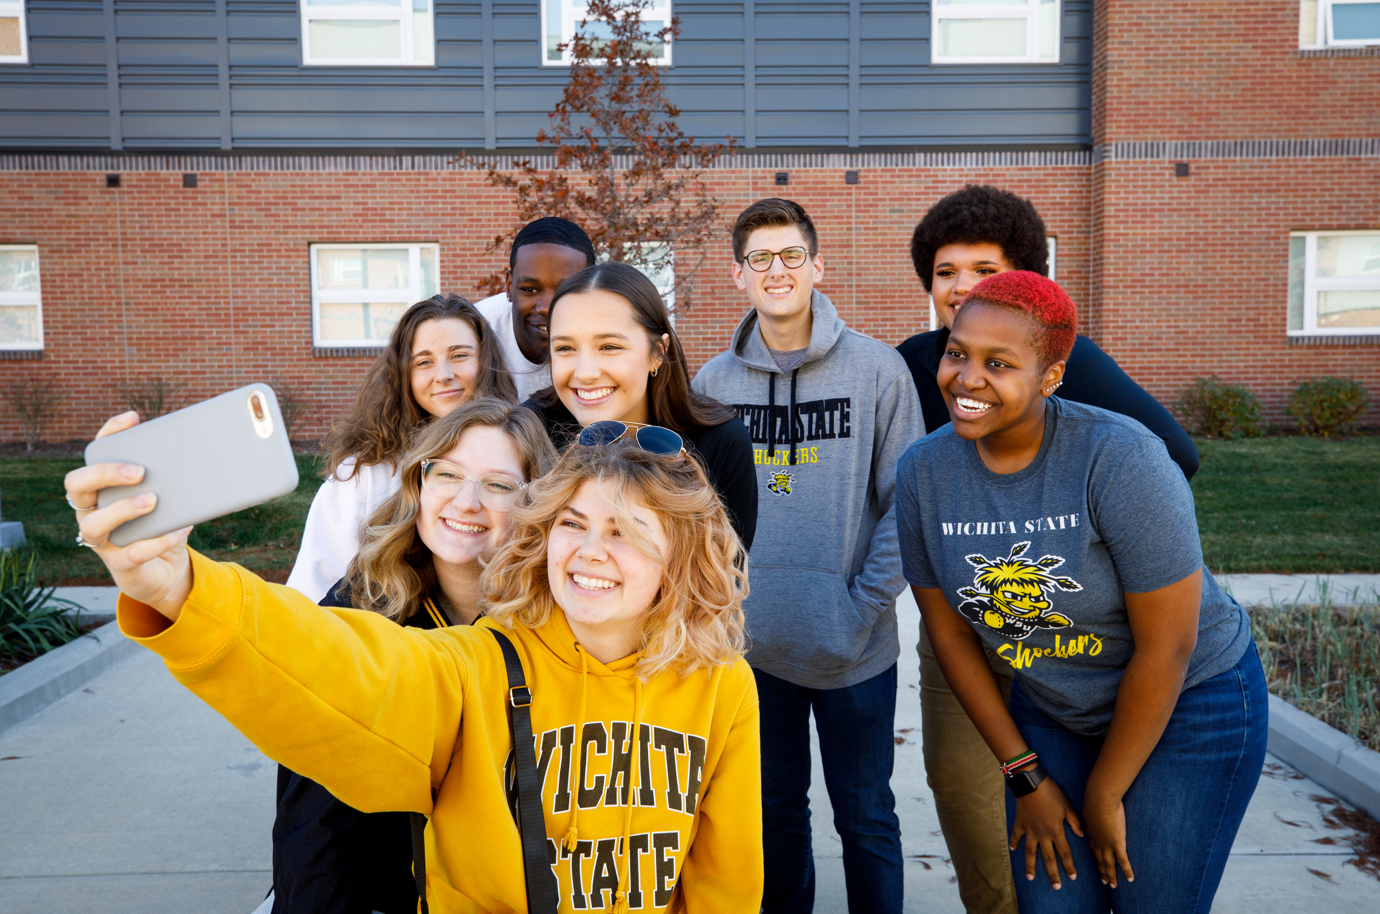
{"x":219,"y":456}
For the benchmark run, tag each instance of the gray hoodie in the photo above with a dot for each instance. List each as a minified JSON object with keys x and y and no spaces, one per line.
{"x":825,"y":566}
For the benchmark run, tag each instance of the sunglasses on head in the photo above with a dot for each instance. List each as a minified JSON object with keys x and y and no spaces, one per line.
{"x":651,"y":438}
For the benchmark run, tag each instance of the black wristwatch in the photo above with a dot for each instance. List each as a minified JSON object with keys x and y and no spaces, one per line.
{"x":1024,"y":783}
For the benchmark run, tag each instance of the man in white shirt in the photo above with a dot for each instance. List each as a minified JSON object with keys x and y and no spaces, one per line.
{"x":545,"y":253}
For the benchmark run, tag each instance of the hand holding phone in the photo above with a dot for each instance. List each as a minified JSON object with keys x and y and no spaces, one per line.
{"x":116,"y":499}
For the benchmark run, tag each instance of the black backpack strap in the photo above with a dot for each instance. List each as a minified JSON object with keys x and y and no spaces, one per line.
{"x":419,"y":856}
{"x":541,"y":893}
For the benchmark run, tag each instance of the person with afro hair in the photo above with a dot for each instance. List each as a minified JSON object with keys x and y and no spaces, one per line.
{"x":969,"y":235}
{"x":982,"y":230}
{"x":1058,"y":540}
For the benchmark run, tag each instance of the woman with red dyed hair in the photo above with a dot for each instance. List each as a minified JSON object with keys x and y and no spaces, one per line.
{"x":1061,"y":539}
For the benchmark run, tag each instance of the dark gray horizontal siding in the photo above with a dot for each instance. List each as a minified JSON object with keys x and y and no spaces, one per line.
{"x":188,"y":78}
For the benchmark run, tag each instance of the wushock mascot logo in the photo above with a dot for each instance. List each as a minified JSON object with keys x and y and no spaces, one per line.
{"x":1009,"y":596}
{"x":781,"y":483}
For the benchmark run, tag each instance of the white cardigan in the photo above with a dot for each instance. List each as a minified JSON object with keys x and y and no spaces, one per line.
{"x":334,"y":525}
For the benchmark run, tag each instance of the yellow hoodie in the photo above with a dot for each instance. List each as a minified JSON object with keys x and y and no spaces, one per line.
{"x":387,"y":718}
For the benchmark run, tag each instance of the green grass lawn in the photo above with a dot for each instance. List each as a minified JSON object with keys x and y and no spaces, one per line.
{"x":1290,"y":505}
{"x":264,"y":538}
{"x":1266,"y":504}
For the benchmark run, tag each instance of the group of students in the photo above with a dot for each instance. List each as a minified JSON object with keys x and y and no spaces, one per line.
{"x":1092,"y":702}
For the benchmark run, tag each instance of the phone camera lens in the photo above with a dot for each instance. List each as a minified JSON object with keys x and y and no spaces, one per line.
{"x":258,"y":405}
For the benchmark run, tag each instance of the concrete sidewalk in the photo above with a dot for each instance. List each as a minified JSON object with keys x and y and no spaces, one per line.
{"x":132,"y":796}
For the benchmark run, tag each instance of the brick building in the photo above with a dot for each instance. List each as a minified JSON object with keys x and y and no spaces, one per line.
{"x":1211,"y":177}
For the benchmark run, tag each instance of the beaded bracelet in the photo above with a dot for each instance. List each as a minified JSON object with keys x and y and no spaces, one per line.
{"x":1019,"y":761}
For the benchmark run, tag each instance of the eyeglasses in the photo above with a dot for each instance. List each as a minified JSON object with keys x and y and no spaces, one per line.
{"x":446,"y":480}
{"x":651,"y":438}
{"x":790,"y":258}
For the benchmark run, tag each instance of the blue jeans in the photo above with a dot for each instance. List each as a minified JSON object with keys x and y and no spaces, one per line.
{"x":1182,"y":810}
{"x":857,"y":746}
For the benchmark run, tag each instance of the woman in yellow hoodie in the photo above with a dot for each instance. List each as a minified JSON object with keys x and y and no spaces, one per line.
{"x":620,"y":592}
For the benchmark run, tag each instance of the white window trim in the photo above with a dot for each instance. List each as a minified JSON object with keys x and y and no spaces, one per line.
{"x":1030,"y":12}
{"x":402,"y":13}
{"x":10,"y":8}
{"x":573,"y":12}
{"x":25,"y":299}
{"x":1053,"y":256}
{"x":1313,"y":284}
{"x":1323,"y":27}
{"x":410,"y":295}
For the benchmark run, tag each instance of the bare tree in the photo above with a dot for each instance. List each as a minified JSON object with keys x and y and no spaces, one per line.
{"x":154,"y":395}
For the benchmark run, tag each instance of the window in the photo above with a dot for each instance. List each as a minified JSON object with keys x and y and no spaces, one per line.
{"x":1334,"y":283}
{"x":14,"y":35}
{"x":1339,"y":23}
{"x":994,"y":31}
{"x":21,"y":303}
{"x":359,"y":291}
{"x":374,"y":33}
{"x":561,"y":18}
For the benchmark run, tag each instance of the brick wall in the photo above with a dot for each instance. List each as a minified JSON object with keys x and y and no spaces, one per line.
{"x":1232,"y":69}
{"x":210,"y":285}
{"x":1194,"y":271}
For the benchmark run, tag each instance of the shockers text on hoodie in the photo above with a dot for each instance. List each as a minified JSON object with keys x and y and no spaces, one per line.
{"x":826,"y":566}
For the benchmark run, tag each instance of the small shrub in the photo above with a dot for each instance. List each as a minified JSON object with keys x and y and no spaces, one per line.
{"x":1328,"y":406}
{"x":1218,"y":410}
{"x":153,"y":396}
{"x":32,"y":620}
{"x":36,"y":399}
{"x":293,"y":402}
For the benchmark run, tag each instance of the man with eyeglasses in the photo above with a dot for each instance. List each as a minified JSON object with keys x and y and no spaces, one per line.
{"x":830,"y":412}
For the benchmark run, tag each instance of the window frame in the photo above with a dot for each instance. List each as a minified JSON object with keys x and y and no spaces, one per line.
{"x":573,"y":12}
{"x":1322,"y":26}
{"x":1313,"y":284}
{"x":403,"y":15}
{"x":409,"y":296}
{"x":1030,"y":13}
{"x":25,"y":300}
{"x":17,"y":8}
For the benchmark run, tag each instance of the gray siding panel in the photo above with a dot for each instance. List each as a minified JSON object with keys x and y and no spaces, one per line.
{"x":171,"y":84}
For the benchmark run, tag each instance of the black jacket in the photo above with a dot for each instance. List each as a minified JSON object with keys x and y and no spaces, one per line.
{"x":330,"y":858}
{"x":1090,"y":376}
{"x":724,"y":451}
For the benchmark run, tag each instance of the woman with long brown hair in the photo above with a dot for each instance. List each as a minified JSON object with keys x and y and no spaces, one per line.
{"x":440,"y":355}
{"x":419,"y":564}
{"x":616,"y":358}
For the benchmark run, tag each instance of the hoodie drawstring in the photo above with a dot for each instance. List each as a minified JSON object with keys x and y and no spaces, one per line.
{"x":771,"y":416}
{"x":790,"y":416}
{"x":620,"y":898}
{"x":572,"y":835}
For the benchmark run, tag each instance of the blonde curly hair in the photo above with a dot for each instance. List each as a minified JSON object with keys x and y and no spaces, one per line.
{"x":393,"y":571}
{"x":696,"y":619}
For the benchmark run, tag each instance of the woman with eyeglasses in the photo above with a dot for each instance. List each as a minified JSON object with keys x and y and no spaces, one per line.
{"x":441,"y":354}
{"x":615,"y":358}
{"x":419,"y":564}
{"x":618,"y":593}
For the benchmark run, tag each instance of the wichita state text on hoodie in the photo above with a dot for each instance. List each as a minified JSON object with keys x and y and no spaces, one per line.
{"x":388,"y":717}
{"x":826,"y":565}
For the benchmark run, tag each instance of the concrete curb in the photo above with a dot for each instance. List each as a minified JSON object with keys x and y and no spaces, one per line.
{"x":39,"y":683}
{"x":1328,"y":756}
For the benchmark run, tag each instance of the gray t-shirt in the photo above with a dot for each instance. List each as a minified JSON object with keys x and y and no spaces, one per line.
{"x":1037,"y":561}
{"x":786,"y":359}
